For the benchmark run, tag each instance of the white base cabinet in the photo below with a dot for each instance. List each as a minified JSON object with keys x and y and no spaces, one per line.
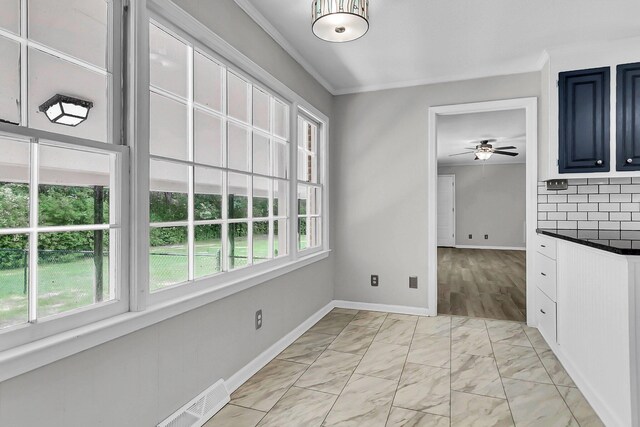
{"x":593,"y":327}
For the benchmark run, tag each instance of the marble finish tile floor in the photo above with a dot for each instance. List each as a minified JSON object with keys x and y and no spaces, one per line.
{"x":361,"y":368}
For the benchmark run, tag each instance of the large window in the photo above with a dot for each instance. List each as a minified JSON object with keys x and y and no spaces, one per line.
{"x":309,"y":184}
{"x":219,"y":169}
{"x":60,"y":186}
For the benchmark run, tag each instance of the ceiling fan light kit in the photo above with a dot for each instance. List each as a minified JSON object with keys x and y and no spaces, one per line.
{"x":484,"y":150}
{"x":340,"y":21}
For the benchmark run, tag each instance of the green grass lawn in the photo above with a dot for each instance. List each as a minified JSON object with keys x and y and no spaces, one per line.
{"x":69,"y":285}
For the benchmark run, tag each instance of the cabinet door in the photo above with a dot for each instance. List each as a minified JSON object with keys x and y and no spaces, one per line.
{"x":628,"y":117}
{"x":584,"y":121}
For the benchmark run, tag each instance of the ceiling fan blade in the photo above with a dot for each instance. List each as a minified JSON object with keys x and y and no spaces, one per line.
{"x":505,"y":153}
{"x":511,"y":147}
{"x":458,"y":154}
{"x":477,"y":158}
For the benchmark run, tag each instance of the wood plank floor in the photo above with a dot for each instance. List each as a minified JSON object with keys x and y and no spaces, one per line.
{"x":482,"y":283}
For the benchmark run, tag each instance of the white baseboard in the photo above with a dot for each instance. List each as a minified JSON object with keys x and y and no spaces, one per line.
{"x":499,"y":248}
{"x":400,"y":309}
{"x":201,"y":408}
{"x":237,"y":379}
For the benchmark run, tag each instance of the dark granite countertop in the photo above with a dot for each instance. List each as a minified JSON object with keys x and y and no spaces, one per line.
{"x":622,"y":242}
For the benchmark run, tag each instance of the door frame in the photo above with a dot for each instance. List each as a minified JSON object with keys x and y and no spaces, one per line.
{"x":453,"y":177}
{"x":530,"y":107}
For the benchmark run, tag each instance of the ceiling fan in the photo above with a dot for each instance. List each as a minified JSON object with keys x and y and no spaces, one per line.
{"x":484,"y":150}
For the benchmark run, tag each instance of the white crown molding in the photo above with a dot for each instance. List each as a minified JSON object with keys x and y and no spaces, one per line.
{"x":259,"y":19}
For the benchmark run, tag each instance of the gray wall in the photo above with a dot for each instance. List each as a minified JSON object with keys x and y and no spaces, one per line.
{"x":140,"y":379}
{"x":490,"y":199}
{"x":379,"y":156}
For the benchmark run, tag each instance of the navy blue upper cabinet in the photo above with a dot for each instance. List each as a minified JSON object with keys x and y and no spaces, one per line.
{"x":628,"y":117}
{"x":584,"y":121}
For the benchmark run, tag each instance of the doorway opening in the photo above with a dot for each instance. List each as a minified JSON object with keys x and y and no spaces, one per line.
{"x":482,"y":178}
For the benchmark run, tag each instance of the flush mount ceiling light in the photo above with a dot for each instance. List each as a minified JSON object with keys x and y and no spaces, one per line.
{"x":340,"y":20}
{"x":66,"y":110}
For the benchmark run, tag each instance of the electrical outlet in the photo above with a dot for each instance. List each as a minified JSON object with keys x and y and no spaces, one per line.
{"x":470,"y":236}
{"x":258,"y":319}
{"x":486,"y":237}
{"x":413,"y":282}
{"x":374,"y":280}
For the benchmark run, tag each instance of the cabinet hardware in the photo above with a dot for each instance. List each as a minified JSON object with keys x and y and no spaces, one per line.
{"x":542,"y":311}
{"x":543,"y":246}
{"x":598,"y":162}
{"x":543,"y":274}
{"x":629,"y":160}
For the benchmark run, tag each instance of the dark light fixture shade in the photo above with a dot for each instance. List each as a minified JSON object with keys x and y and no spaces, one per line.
{"x":340,"y":20}
{"x":66,"y":110}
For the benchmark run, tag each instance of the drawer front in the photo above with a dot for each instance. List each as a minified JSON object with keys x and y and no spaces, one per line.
{"x":546,"y":246}
{"x":546,"y":314}
{"x":545,"y":274}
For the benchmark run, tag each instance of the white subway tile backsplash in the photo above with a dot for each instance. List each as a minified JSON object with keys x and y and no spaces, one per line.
{"x":598,"y":216}
{"x":609,"y":207}
{"x":591,"y":203}
{"x":599,"y":198}
{"x":607,"y":189}
{"x":557,"y":216}
{"x":557,"y":198}
{"x":588,"y":189}
{"x":623,"y":198}
{"x":620,"y":216}
{"x":577,"y":198}
{"x":576,"y":216}
{"x":567,"y":207}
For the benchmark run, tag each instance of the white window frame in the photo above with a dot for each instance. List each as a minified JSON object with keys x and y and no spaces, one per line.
{"x":75,"y":334}
{"x":39,"y":328}
{"x":169,"y":17}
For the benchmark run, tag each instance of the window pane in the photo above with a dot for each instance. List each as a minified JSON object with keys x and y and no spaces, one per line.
{"x":309,"y":199}
{"x":280,"y":159}
{"x":208,"y":138}
{"x":261,"y":113}
{"x":308,"y":136}
{"x":14,"y":183}
{"x":238,"y":245}
{"x":303,"y":242}
{"x":281,"y":120}
{"x":10,"y":16}
{"x":237,"y":98}
{"x":10,"y":78}
{"x":169,"y":186}
{"x":14,"y":276}
{"x":208,"y":254}
{"x":75,"y":27}
{"x":261,"y":197}
{"x":73,"y":186}
{"x":208,"y":194}
{"x":168,"y":257}
{"x":307,"y":167}
{"x":168,"y":61}
{"x":280,"y":197}
{"x":238,"y":188}
{"x":168,"y":128}
{"x":207,"y":82}
{"x":280,"y":243}
{"x":260,"y":154}
{"x":260,"y":241}
{"x":49,"y":75}
{"x":73,"y":270}
{"x":239,"y":146}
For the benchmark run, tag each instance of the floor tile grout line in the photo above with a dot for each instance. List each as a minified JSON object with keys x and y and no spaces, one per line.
{"x":404,"y":365}
{"x":502,"y":380}
{"x":349,"y":379}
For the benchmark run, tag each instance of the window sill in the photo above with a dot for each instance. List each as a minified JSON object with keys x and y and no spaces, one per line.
{"x":25,"y":358}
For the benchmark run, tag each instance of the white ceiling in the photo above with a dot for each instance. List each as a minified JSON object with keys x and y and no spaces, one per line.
{"x":460,"y":131}
{"x":424,"y":41}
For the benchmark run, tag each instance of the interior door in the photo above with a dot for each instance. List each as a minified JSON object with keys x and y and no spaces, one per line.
{"x":446,"y":210}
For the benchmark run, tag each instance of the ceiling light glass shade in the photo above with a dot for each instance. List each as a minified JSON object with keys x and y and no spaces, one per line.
{"x":66,"y":110}
{"x":483,"y":155}
{"x":340,"y":20}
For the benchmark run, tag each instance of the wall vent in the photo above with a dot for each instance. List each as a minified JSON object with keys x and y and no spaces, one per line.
{"x":200,"y":409}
